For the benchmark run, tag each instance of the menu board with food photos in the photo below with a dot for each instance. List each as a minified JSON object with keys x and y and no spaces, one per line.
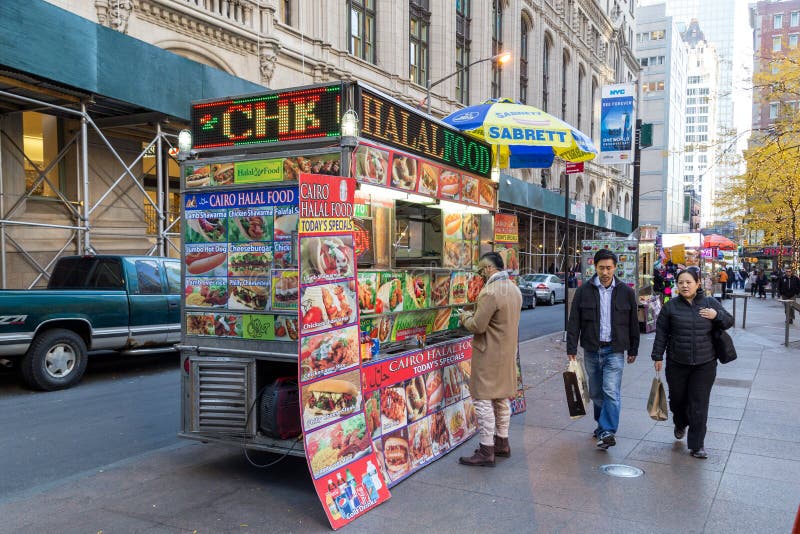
{"x":375,"y":164}
{"x":506,"y":241}
{"x":461,"y":234}
{"x":417,"y":406}
{"x":222,"y":174}
{"x":238,"y":262}
{"x":627,"y":252}
{"x":338,"y":446}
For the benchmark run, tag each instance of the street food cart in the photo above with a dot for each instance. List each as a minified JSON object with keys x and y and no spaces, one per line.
{"x":330,"y":237}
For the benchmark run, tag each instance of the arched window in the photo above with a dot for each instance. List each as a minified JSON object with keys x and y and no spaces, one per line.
{"x":564,"y":72}
{"x":592,"y":192}
{"x":562,"y":183}
{"x":627,"y":213}
{"x":523,"y":60}
{"x":546,"y":65}
{"x":611,"y":197}
{"x":578,"y":189}
{"x":581,"y":80}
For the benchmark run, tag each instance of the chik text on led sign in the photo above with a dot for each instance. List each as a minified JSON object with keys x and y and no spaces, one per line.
{"x":268,"y":118}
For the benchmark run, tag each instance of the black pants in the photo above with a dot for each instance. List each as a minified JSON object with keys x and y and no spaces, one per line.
{"x":689,"y":393}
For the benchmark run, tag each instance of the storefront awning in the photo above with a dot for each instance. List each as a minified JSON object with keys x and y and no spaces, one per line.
{"x":66,"y":57}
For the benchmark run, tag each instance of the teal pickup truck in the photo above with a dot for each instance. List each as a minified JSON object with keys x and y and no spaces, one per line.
{"x":129,"y":304}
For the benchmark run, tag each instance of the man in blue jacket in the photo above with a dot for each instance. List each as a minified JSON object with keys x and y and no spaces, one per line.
{"x":604,"y":317}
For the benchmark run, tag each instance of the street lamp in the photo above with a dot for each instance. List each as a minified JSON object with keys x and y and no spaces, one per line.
{"x":502,"y":58}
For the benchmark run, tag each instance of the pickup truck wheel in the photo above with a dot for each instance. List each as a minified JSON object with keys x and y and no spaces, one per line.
{"x":56,"y":359}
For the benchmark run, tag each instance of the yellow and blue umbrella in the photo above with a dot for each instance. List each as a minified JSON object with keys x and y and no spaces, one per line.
{"x":523,"y":136}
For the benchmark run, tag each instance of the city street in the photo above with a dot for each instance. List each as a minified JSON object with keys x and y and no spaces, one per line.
{"x":551,"y":483}
{"x":124,"y":407}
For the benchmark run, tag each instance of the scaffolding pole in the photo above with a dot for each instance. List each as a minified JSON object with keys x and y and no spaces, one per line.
{"x":85,"y":244}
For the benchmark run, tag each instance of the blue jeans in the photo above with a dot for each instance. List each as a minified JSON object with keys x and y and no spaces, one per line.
{"x":604,"y":373}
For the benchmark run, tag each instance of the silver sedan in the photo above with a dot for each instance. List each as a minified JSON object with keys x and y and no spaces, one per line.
{"x":549,"y":288}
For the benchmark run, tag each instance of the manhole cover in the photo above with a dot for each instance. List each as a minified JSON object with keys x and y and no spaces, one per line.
{"x":622,"y":471}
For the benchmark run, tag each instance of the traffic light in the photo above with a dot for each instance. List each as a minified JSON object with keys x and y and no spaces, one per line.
{"x":646,"y":135}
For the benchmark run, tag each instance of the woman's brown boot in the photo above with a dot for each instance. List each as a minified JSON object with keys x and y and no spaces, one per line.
{"x":501,"y":447}
{"x":484,"y":456}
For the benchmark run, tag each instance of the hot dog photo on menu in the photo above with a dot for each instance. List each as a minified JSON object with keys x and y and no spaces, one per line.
{"x":331,"y":398}
{"x":326,"y":258}
{"x":206,"y":259}
{"x":197,"y":176}
{"x":327,"y":306}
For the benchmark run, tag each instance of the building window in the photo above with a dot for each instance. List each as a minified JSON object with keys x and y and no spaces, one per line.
{"x":523,"y":61}
{"x":795,"y":19}
{"x":286,"y":12}
{"x":657,"y":35}
{"x":581,"y":79}
{"x":362,"y":29}
{"x":462,"y":50}
{"x":592,"y":104}
{"x":773,"y":110}
{"x":776,"y":43}
{"x":547,"y":49}
{"x":793,"y":40}
{"x":40,"y":143}
{"x":564,"y":71}
{"x":497,"y":44}
{"x":777,"y":21}
{"x":418,"y":41}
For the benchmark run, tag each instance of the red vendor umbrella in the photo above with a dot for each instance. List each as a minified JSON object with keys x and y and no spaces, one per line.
{"x":719,"y":241}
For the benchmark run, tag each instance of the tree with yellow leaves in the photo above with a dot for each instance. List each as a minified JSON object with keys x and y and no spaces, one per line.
{"x":767,"y":195}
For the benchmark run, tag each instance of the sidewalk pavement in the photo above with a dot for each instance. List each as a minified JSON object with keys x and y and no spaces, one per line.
{"x":551,"y":483}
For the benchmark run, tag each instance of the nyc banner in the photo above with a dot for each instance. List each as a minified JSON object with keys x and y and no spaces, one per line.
{"x":617,"y":120}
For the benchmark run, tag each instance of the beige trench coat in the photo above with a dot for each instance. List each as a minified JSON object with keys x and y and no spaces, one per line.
{"x":495,"y":325}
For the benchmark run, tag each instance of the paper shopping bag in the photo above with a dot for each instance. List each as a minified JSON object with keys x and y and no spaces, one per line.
{"x":657,"y":401}
{"x":576,"y":390}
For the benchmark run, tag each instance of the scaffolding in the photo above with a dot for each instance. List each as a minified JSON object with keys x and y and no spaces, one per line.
{"x":81,"y":218}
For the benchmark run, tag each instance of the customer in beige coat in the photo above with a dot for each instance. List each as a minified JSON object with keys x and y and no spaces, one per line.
{"x":495,"y":325}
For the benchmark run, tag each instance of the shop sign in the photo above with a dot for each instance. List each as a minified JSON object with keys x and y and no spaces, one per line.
{"x":574,"y":168}
{"x":506,"y":228}
{"x":777,"y":251}
{"x":708,"y":253}
{"x":397,"y":126}
{"x":253,"y":120}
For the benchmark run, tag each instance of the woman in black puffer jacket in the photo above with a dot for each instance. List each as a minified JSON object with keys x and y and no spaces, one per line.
{"x":683,"y":329}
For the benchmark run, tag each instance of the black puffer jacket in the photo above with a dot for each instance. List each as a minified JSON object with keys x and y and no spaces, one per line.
{"x":684,"y":334}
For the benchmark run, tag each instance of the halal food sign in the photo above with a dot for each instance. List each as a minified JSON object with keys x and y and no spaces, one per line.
{"x":326,"y":203}
{"x":397,"y":126}
{"x":267,"y":118}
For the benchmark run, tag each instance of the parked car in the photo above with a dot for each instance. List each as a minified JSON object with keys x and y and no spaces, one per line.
{"x":129,"y":304}
{"x":548,"y":288}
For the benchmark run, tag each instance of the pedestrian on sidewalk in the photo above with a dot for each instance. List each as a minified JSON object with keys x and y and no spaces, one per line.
{"x":723,"y":282}
{"x":604,"y":317}
{"x":493,"y":380}
{"x":789,"y":289}
{"x":752,"y":281}
{"x":762,"y":282}
{"x":775,"y":278}
{"x":684,"y":329}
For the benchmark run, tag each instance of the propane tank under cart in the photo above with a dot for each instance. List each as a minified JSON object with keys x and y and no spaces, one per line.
{"x":330,"y":236}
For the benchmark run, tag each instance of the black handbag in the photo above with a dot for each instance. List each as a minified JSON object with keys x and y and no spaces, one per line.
{"x":724,"y":350}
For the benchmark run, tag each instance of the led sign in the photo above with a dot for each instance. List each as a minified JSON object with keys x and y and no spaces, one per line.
{"x":268,"y":118}
{"x":394,"y":125}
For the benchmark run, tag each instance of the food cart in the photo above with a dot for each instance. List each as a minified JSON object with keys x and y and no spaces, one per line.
{"x":322,"y":277}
